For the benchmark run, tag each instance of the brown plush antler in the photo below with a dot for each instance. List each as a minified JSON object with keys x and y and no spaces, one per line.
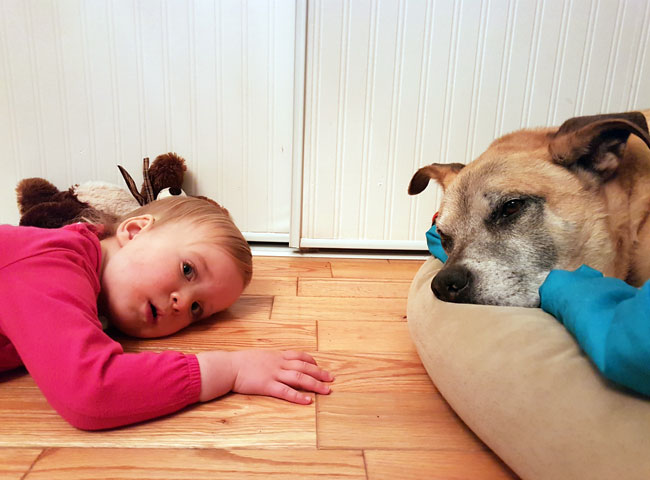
{"x":146,"y":187}
{"x":131,"y":184}
{"x":147,"y":194}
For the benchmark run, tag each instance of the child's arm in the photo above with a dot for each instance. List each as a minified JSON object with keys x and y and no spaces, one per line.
{"x":609,"y":318}
{"x":261,"y":372}
{"x":49,"y":315}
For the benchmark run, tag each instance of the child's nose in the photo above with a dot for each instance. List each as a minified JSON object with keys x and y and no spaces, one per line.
{"x":179,"y":302}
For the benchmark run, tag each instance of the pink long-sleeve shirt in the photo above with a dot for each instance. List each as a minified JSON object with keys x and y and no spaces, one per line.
{"x":49,"y":282}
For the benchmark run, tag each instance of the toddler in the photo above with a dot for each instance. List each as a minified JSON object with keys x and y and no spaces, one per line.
{"x":166,"y":265}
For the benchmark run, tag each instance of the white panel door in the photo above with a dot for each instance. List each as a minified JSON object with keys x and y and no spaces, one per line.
{"x":89,"y":84}
{"x":392,"y":85}
{"x":386,"y":86}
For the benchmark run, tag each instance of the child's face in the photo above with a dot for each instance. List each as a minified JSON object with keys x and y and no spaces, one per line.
{"x":156,"y":281}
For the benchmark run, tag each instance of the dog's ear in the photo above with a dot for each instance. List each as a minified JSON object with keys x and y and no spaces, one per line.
{"x":596,"y":143}
{"x":443,"y":173}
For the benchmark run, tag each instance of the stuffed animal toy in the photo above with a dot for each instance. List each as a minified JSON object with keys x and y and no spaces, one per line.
{"x":41,"y":204}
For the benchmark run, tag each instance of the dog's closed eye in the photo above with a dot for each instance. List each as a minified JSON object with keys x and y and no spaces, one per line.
{"x":446,"y":241}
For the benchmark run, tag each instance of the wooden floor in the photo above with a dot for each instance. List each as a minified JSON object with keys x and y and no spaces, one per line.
{"x":383,"y":420}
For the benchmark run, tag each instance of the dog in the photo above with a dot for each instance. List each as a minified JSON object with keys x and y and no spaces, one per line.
{"x":543,"y":199}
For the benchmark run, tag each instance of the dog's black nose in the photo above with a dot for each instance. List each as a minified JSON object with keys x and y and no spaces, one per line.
{"x":452,"y":284}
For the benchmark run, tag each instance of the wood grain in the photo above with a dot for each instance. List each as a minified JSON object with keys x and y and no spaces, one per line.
{"x":393,"y":420}
{"x":435,"y":465}
{"x":197,"y":464}
{"x":291,"y":267}
{"x":376,"y":372}
{"x":249,"y":307}
{"x":231,"y":421}
{"x":372,"y":337}
{"x":232,"y":335}
{"x":377,"y":269}
{"x":15,"y":462}
{"x":272,"y":286}
{"x":332,"y":308}
{"x":317,"y":287}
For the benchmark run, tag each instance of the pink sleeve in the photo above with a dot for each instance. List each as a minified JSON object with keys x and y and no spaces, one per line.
{"x":85,"y":375}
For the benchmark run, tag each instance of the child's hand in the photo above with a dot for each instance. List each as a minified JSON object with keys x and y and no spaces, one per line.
{"x":278,"y":374}
{"x":261,"y":372}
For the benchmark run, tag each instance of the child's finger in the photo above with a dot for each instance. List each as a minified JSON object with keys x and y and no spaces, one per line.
{"x":285,"y":392}
{"x":295,"y":355}
{"x":310,"y":369}
{"x":297,"y":379}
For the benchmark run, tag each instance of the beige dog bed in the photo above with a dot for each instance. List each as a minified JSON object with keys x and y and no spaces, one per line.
{"x":520,"y":382}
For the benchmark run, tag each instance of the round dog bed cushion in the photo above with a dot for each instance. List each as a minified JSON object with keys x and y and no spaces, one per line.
{"x":519,"y":380}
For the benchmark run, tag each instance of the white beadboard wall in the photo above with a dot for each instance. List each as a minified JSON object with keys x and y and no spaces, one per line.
{"x":392,"y":85}
{"x":306,"y":118}
{"x":89,"y":84}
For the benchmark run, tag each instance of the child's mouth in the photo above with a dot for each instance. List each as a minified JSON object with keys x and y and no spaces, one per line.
{"x":154,"y":312}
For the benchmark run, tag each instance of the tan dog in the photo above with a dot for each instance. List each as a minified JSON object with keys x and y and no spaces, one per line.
{"x":545,"y":199}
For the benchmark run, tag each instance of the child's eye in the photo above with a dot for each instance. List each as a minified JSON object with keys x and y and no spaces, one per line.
{"x":188,"y":270}
{"x":197,"y":311}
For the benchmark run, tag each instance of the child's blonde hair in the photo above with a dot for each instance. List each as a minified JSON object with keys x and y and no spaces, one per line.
{"x":217,"y":226}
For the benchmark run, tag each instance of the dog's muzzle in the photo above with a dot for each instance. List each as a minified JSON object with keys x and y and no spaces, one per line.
{"x":453,"y":284}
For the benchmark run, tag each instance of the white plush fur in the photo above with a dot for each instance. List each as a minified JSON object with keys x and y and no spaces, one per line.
{"x":106,"y":197}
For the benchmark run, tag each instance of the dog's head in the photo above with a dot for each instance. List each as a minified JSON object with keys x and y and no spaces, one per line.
{"x":530,"y":203}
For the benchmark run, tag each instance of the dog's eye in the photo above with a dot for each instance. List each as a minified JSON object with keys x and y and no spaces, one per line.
{"x":446,"y":242}
{"x":511,"y":207}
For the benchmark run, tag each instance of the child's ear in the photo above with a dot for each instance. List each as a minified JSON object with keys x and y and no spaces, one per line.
{"x":131,"y":227}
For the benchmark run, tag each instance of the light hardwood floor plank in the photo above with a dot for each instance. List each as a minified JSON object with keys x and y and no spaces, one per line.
{"x":435,"y":465}
{"x":245,"y":325}
{"x":332,"y":308}
{"x":291,"y":267}
{"x":377,"y":269}
{"x":197,"y":464}
{"x":234,"y":334}
{"x":27,"y":420}
{"x":376,"y":372}
{"x":391,"y":420}
{"x":342,"y":288}
{"x":15,"y":462}
{"x":370,"y":337}
{"x":248,"y":306}
{"x":272,"y":286}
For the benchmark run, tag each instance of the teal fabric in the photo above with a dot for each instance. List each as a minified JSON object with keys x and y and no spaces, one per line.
{"x":435,"y":247}
{"x":609,"y":318}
